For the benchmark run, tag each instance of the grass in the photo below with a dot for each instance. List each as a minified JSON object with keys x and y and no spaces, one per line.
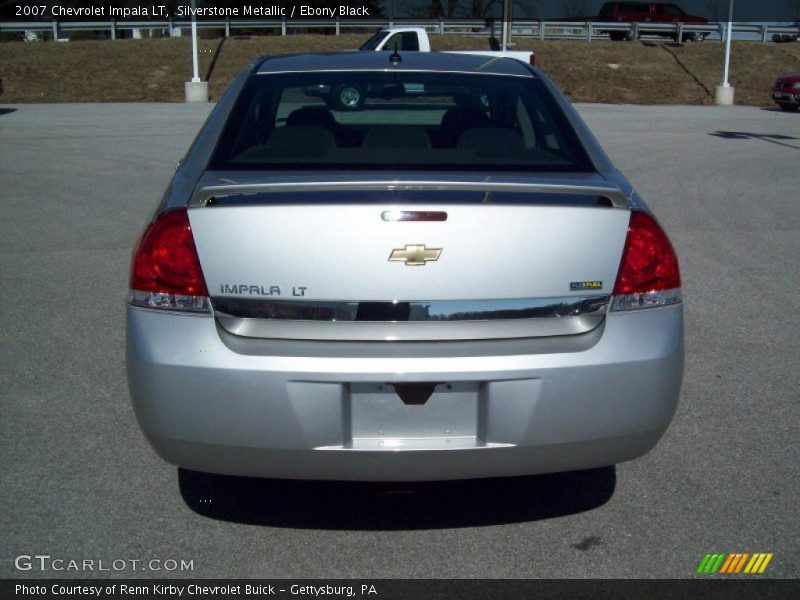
{"x":154,"y":70}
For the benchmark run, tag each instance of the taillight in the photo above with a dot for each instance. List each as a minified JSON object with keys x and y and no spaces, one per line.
{"x":532,"y":59}
{"x":166,"y":272}
{"x":648,"y":274}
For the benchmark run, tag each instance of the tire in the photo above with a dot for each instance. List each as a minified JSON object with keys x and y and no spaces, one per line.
{"x":617,"y":36}
{"x":694,"y":36}
{"x":789,"y":107}
{"x":347,"y":97}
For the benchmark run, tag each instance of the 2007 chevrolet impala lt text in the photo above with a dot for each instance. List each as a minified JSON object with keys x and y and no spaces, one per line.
{"x":449,"y":281}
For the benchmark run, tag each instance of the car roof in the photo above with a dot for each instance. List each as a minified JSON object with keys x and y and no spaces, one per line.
{"x":442,"y":62}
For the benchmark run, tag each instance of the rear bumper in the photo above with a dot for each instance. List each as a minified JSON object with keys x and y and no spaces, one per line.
{"x":321,"y":411}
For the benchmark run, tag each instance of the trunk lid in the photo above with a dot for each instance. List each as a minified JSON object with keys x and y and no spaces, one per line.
{"x":300,"y":264}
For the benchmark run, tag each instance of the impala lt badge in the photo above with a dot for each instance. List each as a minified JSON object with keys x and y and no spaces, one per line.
{"x":415,"y":255}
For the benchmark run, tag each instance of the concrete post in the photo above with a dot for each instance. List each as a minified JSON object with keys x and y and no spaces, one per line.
{"x":723,"y":96}
{"x":283,"y":25}
{"x":196,"y":91}
{"x":227,"y":27}
{"x":113,"y":29}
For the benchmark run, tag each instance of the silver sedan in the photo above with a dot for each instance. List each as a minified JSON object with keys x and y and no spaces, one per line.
{"x":448,"y":279}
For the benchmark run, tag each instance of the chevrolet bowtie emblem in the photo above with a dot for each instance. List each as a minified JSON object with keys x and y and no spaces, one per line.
{"x":415,"y":255}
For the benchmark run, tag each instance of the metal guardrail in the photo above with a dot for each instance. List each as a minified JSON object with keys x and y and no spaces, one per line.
{"x":577,"y":30}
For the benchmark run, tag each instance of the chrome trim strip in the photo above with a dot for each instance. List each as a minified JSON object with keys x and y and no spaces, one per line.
{"x":398,"y":311}
{"x":202,"y":195}
{"x":413,"y":331}
{"x":414,"y":321}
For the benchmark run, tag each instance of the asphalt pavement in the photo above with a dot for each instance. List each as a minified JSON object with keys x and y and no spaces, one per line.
{"x":78,"y":480}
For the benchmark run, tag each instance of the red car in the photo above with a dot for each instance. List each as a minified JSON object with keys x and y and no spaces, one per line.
{"x":786,"y":91}
{"x":649,"y":12}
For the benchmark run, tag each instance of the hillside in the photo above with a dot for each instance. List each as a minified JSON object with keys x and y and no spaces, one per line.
{"x":153,"y":70}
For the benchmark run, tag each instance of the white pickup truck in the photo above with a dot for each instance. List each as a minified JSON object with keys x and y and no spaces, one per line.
{"x":415,"y":39}
{"x":402,"y":39}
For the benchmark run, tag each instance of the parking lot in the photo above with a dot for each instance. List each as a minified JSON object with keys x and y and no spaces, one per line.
{"x":78,"y":480}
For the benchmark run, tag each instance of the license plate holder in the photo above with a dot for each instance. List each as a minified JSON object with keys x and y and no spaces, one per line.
{"x":378,"y":413}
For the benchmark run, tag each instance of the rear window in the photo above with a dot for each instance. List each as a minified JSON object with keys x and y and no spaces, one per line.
{"x":674,"y":11}
{"x":406,"y":40}
{"x":373,"y":42}
{"x":635,"y":8}
{"x":398,"y":121}
{"x":607,"y":10}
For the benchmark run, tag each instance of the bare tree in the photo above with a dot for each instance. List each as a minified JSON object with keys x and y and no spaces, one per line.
{"x":483,"y":8}
{"x":714,"y":10}
{"x":794,"y":6}
{"x":574,"y":9}
{"x":465,"y":9}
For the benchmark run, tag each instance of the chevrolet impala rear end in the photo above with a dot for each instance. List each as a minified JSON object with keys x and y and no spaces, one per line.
{"x":450,"y":284}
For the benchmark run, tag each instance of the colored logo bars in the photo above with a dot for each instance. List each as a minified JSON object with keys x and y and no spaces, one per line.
{"x":729,"y":564}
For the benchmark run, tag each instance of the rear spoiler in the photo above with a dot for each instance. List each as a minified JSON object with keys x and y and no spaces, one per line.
{"x":203,"y":195}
